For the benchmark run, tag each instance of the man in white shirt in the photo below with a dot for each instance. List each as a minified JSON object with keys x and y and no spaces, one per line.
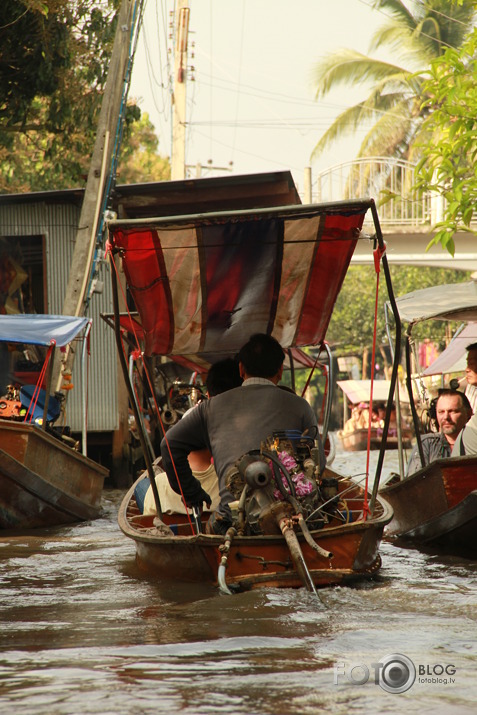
{"x":471,"y":376}
{"x":466,"y":442}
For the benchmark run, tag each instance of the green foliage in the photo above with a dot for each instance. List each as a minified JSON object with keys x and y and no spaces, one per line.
{"x":55,"y":50}
{"x":448,"y":163}
{"x":55,"y":56}
{"x":139,"y":160}
{"x":53,"y":69}
{"x":35,"y":51}
{"x":416,"y":33}
{"x":351,"y":327}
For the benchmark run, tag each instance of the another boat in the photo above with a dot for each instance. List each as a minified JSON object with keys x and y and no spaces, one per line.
{"x":353,"y":437}
{"x":44,"y":480}
{"x":202,"y":285}
{"x":436,"y":505}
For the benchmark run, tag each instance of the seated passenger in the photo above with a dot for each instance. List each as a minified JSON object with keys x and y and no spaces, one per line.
{"x":171,"y":503}
{"x":363,"y":420}
{"x":453,"y":410}
{"x":353,"y":423}
{"x":222,"y":376}
{"x":392,"y":429}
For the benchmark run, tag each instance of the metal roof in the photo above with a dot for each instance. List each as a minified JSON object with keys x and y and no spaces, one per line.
{"x":454,"y":301}
{"x":169,"y":198}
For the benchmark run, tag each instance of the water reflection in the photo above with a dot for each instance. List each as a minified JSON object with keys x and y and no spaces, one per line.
{"x":84,"y":631}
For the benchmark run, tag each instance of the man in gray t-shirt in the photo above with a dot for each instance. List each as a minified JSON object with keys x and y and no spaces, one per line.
{"x":234,"y":423}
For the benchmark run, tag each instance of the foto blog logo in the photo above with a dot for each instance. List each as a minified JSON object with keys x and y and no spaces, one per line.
{"x":394,"y":673}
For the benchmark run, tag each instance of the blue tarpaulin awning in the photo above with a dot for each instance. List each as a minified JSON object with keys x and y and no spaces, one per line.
{"x":40,"y":329}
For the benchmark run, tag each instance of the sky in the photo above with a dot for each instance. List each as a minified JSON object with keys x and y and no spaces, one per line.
{"x":250,"y":97}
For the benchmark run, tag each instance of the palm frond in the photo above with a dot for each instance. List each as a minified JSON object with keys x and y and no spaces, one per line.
{"x":414,"y":50}
{"x":349,"y":67}
{"x":421,"y":31}
{"x":381,"y":102}
{"x":387,"y":135}
{"x":398,"y":9}
{"x":344,"y":124}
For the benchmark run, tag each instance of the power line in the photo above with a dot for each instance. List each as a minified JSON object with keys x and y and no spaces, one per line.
{"x":293,"y":122}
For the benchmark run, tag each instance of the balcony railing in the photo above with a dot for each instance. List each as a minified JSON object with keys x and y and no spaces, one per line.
{"x":388,"y":181}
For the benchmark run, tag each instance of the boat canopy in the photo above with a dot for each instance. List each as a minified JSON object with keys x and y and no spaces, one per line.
{"x":203,"y":284}
{"x":455,"y":301}
{"x":360,"y":390}
{"x":130,"y":324}
{"x":454,"y":357}
{"x":40,"y":329}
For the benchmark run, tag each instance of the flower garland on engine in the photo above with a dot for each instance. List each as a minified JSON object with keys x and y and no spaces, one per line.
{"x":283,"y":480}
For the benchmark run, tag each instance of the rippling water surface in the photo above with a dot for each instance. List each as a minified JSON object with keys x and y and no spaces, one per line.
{"x":83,"y":631}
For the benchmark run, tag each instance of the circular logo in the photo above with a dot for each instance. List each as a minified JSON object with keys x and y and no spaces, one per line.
{"x":397,"y":673}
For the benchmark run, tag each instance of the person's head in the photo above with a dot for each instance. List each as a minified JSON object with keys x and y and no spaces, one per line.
{"x":453,"y":410}
{"x":261,"y":356}
{"x":471,"y":369}
{"x":222,"y":376}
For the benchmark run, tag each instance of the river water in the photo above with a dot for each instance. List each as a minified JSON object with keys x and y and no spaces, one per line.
{"x":83,"y":632}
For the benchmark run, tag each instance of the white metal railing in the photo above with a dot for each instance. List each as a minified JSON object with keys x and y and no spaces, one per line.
{"x":388,"y":181}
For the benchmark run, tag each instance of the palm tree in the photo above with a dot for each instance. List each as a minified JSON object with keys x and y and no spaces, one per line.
{"x":417,"y":32}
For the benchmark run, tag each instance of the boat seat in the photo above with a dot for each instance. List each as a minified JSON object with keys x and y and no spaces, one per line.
{"x":54,"y":407}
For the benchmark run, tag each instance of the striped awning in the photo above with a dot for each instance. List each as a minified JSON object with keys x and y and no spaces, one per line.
{"x":202,"y":285}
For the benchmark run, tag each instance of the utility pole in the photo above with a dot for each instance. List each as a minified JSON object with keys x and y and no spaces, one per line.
{"x":181,"y":32}
{"x":99,"y":173}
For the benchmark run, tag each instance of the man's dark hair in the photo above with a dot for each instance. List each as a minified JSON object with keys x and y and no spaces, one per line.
{"x":463,"y":398}
{"x":472,"y":346}
{"x":222,"y":376}
{"x":262,"y":356}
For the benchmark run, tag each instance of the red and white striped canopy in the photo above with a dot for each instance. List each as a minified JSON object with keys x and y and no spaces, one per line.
{"x":203,"y":285}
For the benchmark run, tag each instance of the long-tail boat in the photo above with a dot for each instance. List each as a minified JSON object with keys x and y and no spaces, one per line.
{"x":45,"y":480}
{"x":354,"y":436}
{"x":437,"y":505}
{"x":202,"y":285}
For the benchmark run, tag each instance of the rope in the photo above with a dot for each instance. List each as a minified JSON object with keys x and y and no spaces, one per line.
{"x":311,"y":374}
{"x":36,"y":392}
{"x":88,"y":365}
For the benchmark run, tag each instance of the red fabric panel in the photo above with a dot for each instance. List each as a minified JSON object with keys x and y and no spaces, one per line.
{"x":147,"y":280}
{"x":337,"y":242}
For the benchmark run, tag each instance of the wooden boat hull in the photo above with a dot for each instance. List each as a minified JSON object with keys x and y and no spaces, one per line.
{"x":255,"y":561}
{"x":44,"y":482}
{"x":357,"y":441}
{"x":437,"y":504}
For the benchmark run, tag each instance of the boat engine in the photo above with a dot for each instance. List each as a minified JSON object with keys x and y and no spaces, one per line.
{"x":281,"y":480}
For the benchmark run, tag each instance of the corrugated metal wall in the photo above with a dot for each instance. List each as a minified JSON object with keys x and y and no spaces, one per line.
{"x":58,"y":224}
